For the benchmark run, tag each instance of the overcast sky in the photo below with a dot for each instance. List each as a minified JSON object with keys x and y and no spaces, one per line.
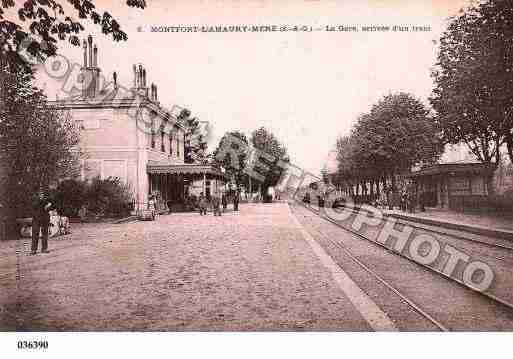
{"x":307,"y":87}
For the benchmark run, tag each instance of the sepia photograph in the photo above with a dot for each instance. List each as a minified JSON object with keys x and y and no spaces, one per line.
{"x":257,"y":178}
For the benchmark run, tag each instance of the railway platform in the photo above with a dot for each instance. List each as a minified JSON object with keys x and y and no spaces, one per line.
{"x":268,"y":267}
{"x":251,"y":270}
{"x":480,"y":224}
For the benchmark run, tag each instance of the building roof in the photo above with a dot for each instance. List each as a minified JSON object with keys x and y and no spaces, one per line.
{"x":154,"y":168}
{"x":118,"y":98}
{"x":452,"y":169}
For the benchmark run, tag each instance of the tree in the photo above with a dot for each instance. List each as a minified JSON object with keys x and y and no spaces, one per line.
{"x":473,"y":94}
{"x":239,"y":147}
{"x":325,"y":175}
{"x":195,"y":138}
{"x":51,"y":21}
{"x":38,"y":145}
{"x":395,"y":135}
{"x":273,"y":154}
{"x":346,"y":168}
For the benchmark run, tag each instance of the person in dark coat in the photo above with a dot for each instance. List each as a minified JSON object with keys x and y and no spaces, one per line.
{"x":236,"y":200}
{"x":41,"y":207}
{"x":224,"y":201}
{"x":202,"y":204}
{"x":216,"y":204}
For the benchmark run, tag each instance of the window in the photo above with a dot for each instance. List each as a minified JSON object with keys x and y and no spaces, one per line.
{"x":92,"y":169}
{"x":460,"y":183}
{"x":152,"y":133}
{"x":171,"y":143}
{"x":91,"y":124}
{"x":184,"y":146}
{"x":162,"y":145}
{"x":178,"y":146}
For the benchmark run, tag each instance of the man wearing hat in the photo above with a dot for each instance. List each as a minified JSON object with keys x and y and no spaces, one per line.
{"x":41,"y":207}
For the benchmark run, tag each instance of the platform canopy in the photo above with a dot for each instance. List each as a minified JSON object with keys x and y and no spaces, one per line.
{"x":191,"y":169}
{"x":452,"y":169}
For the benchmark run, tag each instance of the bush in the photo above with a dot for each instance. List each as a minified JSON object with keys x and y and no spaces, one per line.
{"x":102,"y":198}
{"x":109,"y":197}
{"x":69,"y":197}
{"x":504,"y":202}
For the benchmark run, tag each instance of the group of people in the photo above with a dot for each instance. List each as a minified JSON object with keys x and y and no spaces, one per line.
{"x":217,"y":200}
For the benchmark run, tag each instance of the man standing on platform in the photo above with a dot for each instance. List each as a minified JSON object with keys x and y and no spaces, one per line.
{"x":40,"y":220}
{"x":236,"y":200}
{"x":216,"y":204}
{"x":224,"y":201}
{"x":202,"y":204}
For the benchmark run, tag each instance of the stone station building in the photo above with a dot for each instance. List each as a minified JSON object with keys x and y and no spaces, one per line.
{"x":127,"y":133}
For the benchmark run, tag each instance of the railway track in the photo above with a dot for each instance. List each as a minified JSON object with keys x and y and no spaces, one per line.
{"x":417,"y":308}
{"x":508,"y":249}
{"x":429,"y":228}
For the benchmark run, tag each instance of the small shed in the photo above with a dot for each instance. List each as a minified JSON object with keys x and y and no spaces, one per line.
{"x":455,"y":186}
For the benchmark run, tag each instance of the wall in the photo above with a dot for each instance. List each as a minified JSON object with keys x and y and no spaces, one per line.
{"x":105,"y":127}
{"x":118,"y":145}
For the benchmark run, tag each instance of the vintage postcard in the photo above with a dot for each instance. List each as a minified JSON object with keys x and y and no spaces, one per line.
{"x":304,"y":166}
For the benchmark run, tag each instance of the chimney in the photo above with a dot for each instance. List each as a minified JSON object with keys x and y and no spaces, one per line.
{"x":156,"y":95}
{"x":85,"y":53}
{"x":91,"y":70}
{"x":115,"y":79}
{"x":135,"y":76}
{"x":144,"y":77}
{"x":95,"y":50}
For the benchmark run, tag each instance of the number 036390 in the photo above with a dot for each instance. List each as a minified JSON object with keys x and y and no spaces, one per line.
{"x":32,"y":344}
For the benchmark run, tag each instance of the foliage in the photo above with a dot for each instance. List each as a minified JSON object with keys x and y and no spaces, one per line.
{"x":108,"y":197}
{"x":346,"y":168}
{"x":51,"y":21}
{"x":395,"y":135}
{"x":325,"y":175}
{"x":37,"y":143}
{"x":240,"y":150}
{"x":103,"y":198}
{"x":266,"y":142}
{"x":195,"y":140}
{"x":501,"y":202}
{"x":473,"y":93}
{"x":69,"y":196}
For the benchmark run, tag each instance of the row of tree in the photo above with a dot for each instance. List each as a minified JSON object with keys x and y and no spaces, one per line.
{"x":472,"y":104}
{"x":263,"y":152}
{"x":397,"y":133}
{"x":263,"y":149}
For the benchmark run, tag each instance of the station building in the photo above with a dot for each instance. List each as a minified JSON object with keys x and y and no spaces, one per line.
{"x":458,"y":182}
{"x":126,"y":133}
{"x":453,"y":185}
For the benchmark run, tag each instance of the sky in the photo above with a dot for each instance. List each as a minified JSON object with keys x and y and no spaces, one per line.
{"x":308,"y":88}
